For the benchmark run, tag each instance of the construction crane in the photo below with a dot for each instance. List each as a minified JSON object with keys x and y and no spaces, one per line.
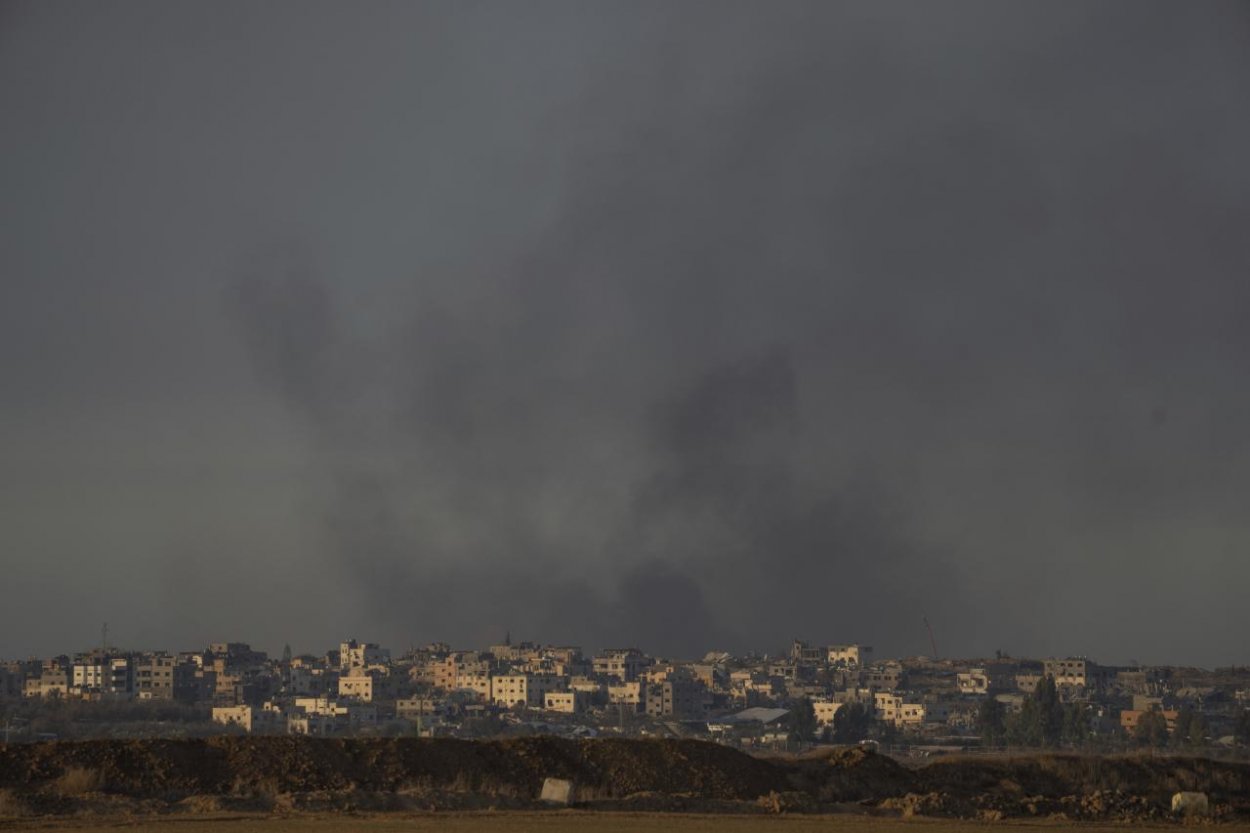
{"x":929,"y":628}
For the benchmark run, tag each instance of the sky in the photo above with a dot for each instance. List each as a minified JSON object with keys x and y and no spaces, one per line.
{"x":685,"y":325}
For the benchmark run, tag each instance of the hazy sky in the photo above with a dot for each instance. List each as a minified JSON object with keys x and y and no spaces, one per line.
{"x":686,"y":325}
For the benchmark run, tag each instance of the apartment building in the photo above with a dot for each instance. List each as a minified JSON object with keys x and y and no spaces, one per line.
{"x":509,"y":690}
{"x":887,"y":677}
{"x":356,"y":686}
{"x":678,"y":698}
{"x":163,"y":677}
{"x":626,"y":694}
{"x":565,"y":702}
{"x":623,"y":664}
{"x":911,"y":715}
{"x":825,"y":711}
{"x":52,"y":681}
{"x":887,"y":706}
{"x":475,"y":681}
{"x":1076,"y":672}
{"x":415,"y":707}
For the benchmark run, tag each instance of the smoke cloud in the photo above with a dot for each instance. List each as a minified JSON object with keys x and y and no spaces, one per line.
{"x":688,"y":326}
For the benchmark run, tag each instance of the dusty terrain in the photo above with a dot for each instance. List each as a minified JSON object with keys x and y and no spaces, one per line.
{"x":565,"y":822}
{"x":292,"y":781}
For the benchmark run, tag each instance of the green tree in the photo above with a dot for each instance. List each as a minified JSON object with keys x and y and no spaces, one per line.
{"x":1023,"y":726}
{"x":990,"y":723}
{"x":1190,"y":730}
{"x":1075,"y":730}
{"x":803,"y":720}
{"x":1040,"y":721}
{"x":851,"y":723}
{"x":1049,"y":712}
{"x":1152,"y":730}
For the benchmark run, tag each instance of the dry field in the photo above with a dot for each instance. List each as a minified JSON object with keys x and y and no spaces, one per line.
{"x":557,"y":822}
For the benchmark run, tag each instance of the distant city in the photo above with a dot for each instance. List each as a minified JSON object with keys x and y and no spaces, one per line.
{"x":808,"y":695}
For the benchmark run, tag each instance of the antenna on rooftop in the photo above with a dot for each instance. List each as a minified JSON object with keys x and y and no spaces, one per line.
{"x":104,"y":640}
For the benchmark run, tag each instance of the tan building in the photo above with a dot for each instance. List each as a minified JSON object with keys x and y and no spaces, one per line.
{"x":850,"y":656}
{"x":800,"y":651}
{"x":1026,"y":681}
{"x":236,"y":653}
{"x":414,"y":707}
{"x":530,"y":690}
{"x":627,"y":694}
{"x":476,"y":682}
{"x":353,"y":654}
{"x":981,"y":681}
{"x":711,"y":676}
{"x":319,"y":716}
{"x":911,"y":715}
{"x":252,"y":720}
{"x":887,"y":677}
{"x":1129,"y":718}
{"x":426,"y":673}
{"x":660,"y":672}
{"x":445,"y":673}
{"x":565,"y":702}
{"x":52,"y":682}
{"x":886,"y":707}
{"x":677,"y":698}
{"x":163,"y":677}
{"x":1077,"y":673}
{"x":825,"y":711}
{"x":356,"y":686}
{"x":515,"y":652}
{"x":594,"y":689}
{"x":622,"y":664}
{"x":863,"y":696}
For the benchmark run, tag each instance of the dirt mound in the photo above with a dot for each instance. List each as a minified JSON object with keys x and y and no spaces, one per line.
{"x":847,"y":774}
{"x":277,"y":765}
{"x":1085,"y":786}
{"x":292,"y":774}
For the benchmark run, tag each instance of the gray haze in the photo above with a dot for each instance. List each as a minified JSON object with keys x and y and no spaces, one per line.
{"x":685,"y":325}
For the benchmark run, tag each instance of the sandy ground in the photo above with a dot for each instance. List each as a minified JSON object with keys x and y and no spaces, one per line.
{"x":551,"y":822}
